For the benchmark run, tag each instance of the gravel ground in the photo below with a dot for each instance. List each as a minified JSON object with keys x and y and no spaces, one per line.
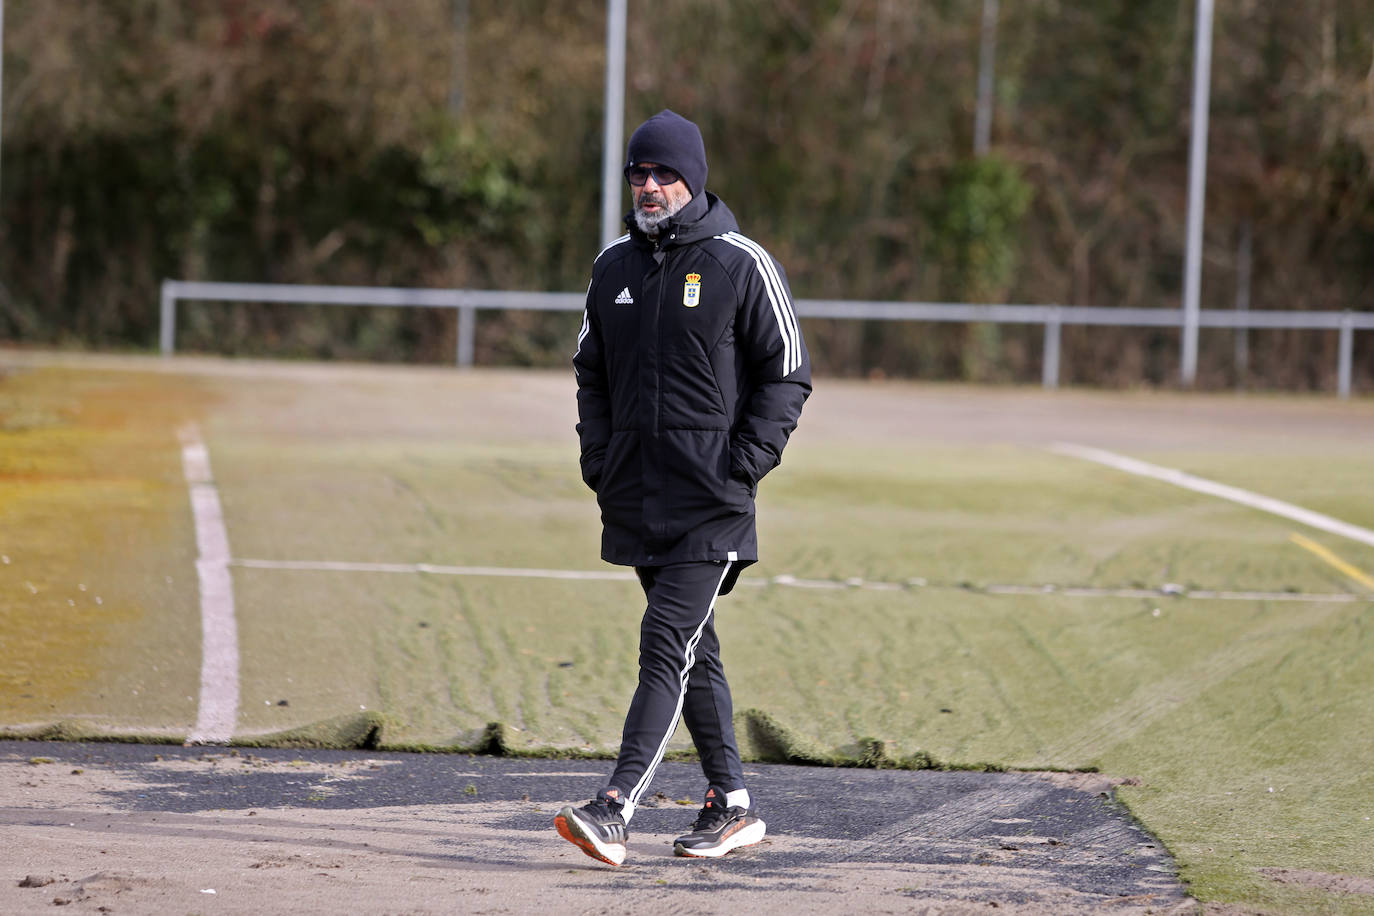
{"x":111,"y":828}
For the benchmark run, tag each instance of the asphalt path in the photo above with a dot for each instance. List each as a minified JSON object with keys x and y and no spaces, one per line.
{"x":930,"y":841}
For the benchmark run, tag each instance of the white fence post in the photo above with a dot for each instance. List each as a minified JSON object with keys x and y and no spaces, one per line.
{"x":167,"y":332}
{"x":1346,"y":357}
{"x":1244,"y":269}
{"x":1049,"y":370}
{"x":467,"y":327}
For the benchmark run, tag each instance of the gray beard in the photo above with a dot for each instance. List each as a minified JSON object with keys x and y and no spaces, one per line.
{"x":652,"y":223}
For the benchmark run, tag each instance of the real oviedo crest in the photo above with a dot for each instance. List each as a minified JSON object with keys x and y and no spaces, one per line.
{"x":691,"y":291}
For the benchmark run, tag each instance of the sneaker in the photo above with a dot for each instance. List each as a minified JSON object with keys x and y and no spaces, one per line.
{"x":596,"y":828}
{"x":719,"y":829}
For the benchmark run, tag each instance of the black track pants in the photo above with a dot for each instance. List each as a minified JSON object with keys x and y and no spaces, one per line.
{"x":680,"y":674}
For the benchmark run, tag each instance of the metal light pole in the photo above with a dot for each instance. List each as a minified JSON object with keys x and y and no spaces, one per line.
{"x":1197,"y":187}
{"x":615,"y":121}
{"x":2,"y":70}
{"x":987,"y":55}
{"x":457,"y":80}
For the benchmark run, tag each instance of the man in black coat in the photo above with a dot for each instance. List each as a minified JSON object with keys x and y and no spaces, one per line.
{"x":691,"y":374}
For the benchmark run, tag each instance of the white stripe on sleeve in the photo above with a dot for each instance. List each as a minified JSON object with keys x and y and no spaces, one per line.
{"x":788,"y":312}
{"x":777,"y":297}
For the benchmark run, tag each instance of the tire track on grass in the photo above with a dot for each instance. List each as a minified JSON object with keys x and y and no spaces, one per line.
{"x":1151,"y":702}
{"x":1018,"y":722}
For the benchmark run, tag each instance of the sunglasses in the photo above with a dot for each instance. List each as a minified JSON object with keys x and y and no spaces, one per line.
{"x":637,"y":175}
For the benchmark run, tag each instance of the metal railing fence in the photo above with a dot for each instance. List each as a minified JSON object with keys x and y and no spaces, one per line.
{"x":1053,"y":317}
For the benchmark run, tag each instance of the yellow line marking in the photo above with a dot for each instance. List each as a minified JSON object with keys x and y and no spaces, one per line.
{"x":1353,"y":572}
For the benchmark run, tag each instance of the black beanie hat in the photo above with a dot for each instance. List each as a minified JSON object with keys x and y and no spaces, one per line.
{"x":670,"y":139}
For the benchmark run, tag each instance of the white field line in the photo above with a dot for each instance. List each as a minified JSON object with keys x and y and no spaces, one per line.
{"x":219,"y":664}
{"x":1164,"y":591}
{"x":1212,"y":488}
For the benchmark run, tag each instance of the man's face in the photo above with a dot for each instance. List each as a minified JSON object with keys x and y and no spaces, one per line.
{"x":654,"y":203}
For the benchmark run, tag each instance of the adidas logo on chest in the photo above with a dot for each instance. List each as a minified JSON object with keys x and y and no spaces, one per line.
{"x":625,"y":298}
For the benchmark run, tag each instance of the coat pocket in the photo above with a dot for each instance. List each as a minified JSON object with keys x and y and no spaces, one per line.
{"x":697,"y":474}
{"x":619,"y":490}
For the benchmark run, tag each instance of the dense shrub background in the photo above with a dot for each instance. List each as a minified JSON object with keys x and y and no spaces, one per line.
{"x":456,"y":143}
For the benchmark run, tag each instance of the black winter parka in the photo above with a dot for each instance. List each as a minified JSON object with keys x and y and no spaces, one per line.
{"x":691,"y":375}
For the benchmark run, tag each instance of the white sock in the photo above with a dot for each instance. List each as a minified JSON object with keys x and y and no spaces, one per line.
{"x":627,"y":810}
{"x":737,"y":799}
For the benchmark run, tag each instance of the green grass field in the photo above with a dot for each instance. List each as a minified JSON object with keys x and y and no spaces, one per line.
{"x":1248,"y":722}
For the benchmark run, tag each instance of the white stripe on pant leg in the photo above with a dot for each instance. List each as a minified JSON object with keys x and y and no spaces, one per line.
{"x":691,"y":659}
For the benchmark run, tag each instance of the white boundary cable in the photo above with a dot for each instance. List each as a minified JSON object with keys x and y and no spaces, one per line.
{"x":1212,"y":488}
{"x":587,"y":575}
{"x":219,"y":666}
{"x":512,"y":572}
